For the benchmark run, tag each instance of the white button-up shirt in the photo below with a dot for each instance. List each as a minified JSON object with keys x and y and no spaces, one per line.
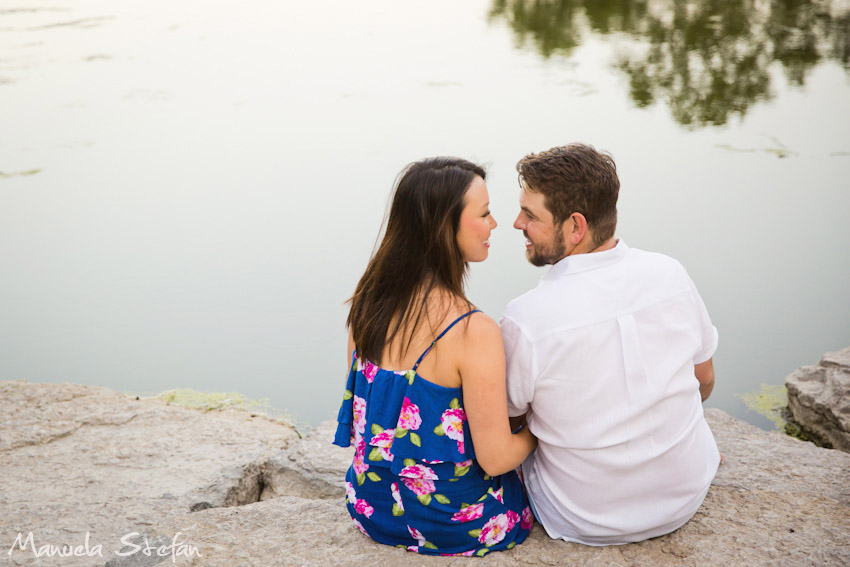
{"x":601,"y":355}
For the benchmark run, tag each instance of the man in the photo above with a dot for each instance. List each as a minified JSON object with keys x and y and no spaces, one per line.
{"x":608,"y":359}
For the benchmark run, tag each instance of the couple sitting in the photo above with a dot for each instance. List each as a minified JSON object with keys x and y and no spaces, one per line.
{"x":602,"y":369}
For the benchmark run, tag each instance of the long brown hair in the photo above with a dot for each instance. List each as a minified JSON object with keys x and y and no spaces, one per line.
{"x":418,"y":255}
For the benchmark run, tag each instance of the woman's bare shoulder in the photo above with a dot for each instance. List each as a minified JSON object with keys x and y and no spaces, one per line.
{"x":474,"y":329}
{"x":483,"y":328}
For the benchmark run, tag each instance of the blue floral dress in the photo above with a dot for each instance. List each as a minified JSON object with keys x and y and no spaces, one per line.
{"x":414,"y":481}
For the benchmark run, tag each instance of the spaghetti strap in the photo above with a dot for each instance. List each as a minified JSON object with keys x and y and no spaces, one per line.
{"x":446,"y":330}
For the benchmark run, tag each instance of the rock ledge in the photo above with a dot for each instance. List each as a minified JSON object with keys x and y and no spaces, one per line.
{"x":819,"y":400}
{"x":242,"y":490}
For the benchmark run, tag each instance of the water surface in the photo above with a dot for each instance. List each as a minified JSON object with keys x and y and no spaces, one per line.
{"x":188,"y":194}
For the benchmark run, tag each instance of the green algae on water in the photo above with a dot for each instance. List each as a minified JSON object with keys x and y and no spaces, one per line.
{"x":208,"y":401}
{"x":4,"y":175}
{"x":769,"y":402}
{"x":772,"y":403}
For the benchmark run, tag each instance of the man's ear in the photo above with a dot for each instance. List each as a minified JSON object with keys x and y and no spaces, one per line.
{"x":575,"y":228}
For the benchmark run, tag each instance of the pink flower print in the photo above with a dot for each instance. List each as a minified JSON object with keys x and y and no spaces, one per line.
{"x":497,"y":494}
{"x":384,"y":441}
{"x":359,"y":415}
{"x":469,"y":513}
{"x":359,"y":464}
{"x":384,"y":438}
{"x":419,"y":471}
{"x":363,"y":507}
{"x":466,"y":463}
{"x":527,"y":518}
{"x":349,"y":491}
{"x":497,"y":528}
{"x":513,"y":518}
{"x":469,"y":553}
{"x":415,"y":534}
{"x":368,"y":369}
{"x":409,"y":417}
{"x":359,"y":526}
{"x":452,"y":422}
{"x":420,"y":486}
{"x":397,"y":496}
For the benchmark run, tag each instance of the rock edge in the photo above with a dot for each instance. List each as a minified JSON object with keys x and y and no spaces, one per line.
{"x":77,"y":459}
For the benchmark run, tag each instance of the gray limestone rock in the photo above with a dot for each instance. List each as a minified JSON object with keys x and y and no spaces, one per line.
{"x":775,"y":501}
{"x":77,"y":459}
{"x":187,"y":483}
{"x":819,"y":399}
{"x":312,"y":468}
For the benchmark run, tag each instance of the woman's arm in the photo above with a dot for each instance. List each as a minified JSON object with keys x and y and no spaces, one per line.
{"x":481,"y":363}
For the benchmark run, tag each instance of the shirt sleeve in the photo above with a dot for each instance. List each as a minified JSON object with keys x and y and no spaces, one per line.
{"x":709,"y":331}
{"x":519,"y":356}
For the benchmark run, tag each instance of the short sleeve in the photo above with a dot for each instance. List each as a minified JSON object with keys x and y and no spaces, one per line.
{"x":519,"y":356}
{"x":709,"y":332}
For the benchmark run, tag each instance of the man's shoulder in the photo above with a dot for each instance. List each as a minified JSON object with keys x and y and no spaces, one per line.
{"x":523,"y":307}
{"x":641,"y":277}
{"x":542,"y":311}
{"x":654,"y":266}
{"x":641,"y":256}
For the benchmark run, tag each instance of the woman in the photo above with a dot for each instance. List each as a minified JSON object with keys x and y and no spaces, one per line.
{"x":425,"y":403}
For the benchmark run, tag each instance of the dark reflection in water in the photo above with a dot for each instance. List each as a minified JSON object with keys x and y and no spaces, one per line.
{"x":708,"y":60}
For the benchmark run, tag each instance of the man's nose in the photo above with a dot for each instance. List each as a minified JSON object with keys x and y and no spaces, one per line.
{"x":518,"y":223}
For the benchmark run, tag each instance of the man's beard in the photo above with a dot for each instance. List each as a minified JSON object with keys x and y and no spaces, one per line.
{"x":550,"y":253}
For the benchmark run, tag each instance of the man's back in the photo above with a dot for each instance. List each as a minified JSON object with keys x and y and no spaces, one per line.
{"x":602,"y":352}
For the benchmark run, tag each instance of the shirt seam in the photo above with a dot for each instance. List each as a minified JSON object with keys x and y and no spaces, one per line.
{"x":613,"y":316}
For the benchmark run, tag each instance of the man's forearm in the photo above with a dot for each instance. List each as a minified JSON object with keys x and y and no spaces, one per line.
{"x":704,"y":372}
{"x":705,"y":390}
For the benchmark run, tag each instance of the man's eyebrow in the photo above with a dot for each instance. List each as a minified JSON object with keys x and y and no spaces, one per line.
{"x":526,"y":210}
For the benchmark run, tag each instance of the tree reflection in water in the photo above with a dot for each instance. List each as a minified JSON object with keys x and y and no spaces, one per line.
{"x":707,"y":59}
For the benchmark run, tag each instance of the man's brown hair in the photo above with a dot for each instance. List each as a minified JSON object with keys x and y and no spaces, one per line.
{"x":575,"y":179}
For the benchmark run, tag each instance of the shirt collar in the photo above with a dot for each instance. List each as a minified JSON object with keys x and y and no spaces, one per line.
{"x":587,"y":262}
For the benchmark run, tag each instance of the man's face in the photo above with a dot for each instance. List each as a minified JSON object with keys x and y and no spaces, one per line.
{"x":545,"y":243}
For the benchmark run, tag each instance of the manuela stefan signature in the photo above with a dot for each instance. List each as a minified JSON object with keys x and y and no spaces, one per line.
{"x":130,"y":542}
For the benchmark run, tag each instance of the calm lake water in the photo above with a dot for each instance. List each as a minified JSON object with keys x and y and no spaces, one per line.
{"x":190,"y":191}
